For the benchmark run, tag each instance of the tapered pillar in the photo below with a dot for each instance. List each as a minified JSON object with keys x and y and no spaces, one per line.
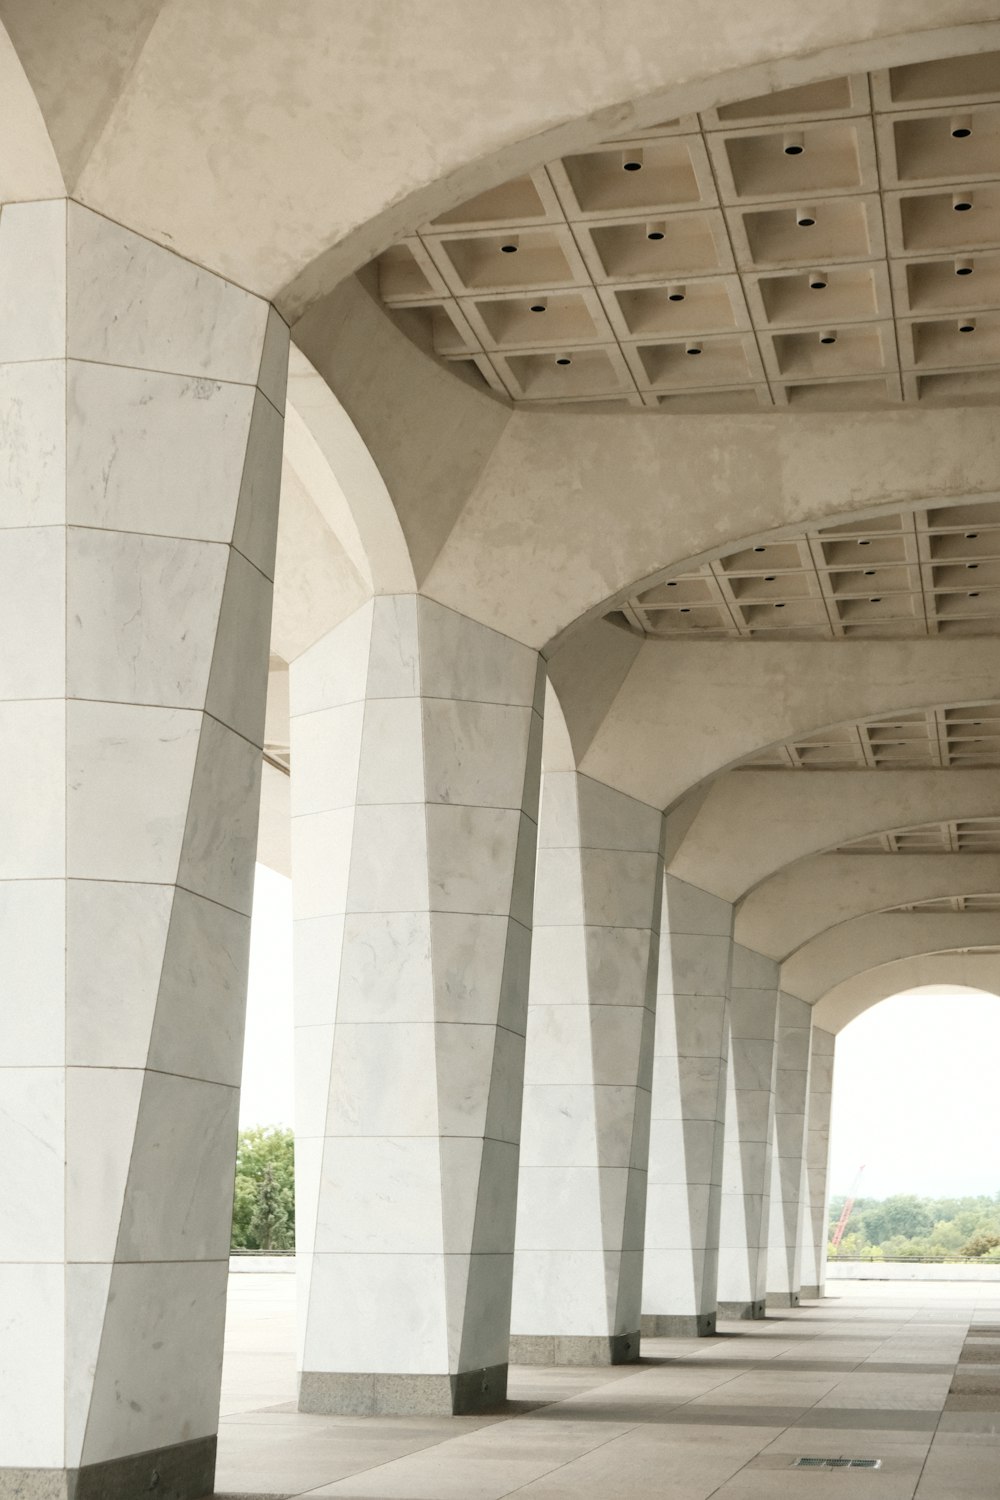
{"x":791,"y":1091}
{"x":817,"y":1191}
{"x":688,"y":1113}
{"x":415,"y":748}
{"x":141,"y":407}
{"x":746,"y":1170}
{"x":582,"y":1188}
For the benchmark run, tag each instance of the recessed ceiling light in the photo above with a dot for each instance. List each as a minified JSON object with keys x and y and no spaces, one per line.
{"x":769,"y":578}
{"x":671,"y":583}
{"x":564,"y":359}
{"x":538,"y":307}
{"x":864,"y":541}
{"x":961,"y":202}
{"x":877,"y":599}
{"x":974,"y":595}
{"x":685,"y":610}
{"x":632,"y":161}
{"x":509,"y":247}
{"x":793,"y":143}
{"x":760,"y":549}
{"x":779,"y":606}
{"x":805,"y":218}
{"x":961,"y":126}
{"x":972,"y":566}
{"x":970,"y":536}
{"x":869,"y":572}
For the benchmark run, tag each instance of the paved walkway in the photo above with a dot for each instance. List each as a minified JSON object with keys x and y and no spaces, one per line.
{"x":905,"y":1373}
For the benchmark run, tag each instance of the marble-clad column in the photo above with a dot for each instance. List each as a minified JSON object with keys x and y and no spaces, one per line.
{"x":416,"y":750}
{"x":688,"y":1113}
{"x":141,"y":404}
{"x":746,"y":1166}
{"x":791,"y":1089}
{"x":815,"y":1234}
{"x":585,"y":1131}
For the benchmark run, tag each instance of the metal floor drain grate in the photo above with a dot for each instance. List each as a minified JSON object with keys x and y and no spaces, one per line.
{"x":837,"y":1463}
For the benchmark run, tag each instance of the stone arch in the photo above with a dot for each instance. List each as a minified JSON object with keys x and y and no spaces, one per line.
{"x":975,"y":972}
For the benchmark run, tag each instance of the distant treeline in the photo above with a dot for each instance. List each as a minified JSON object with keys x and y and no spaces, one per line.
{"x":905,"y":1225}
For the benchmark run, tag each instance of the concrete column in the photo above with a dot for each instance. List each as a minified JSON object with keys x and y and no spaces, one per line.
{"x":415,"y":749}
{"x":788,"y":1148}
{"x":746,"y":1170}
{"x":141,"y":408}
{"x":816,"y":1215}
{"x":691,"y":1053}
{"x":582,"y":1188}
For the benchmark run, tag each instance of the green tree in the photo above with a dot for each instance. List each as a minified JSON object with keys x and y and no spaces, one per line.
{"x":264,"y":1199}
{"x":981,"y":1244}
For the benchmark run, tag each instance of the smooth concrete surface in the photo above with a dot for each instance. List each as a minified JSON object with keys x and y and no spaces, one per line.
{"x":865,"y":1373}
{"x":902,"y":1270}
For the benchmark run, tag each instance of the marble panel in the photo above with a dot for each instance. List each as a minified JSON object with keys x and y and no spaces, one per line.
{"x":790,"y":1090}
{"x":33,"y":281}
{"x":117,"y":935}
{"x":272,"y":377}
{"x":569,"y":1293}
{"x":753,"y":1014}
{"x":385,"y":974}
{"x":394,"y":663}
{"x":472,"y":857}
{"x":237,"y":684}
{"x":384,"y":1081}
{"x":102,"y":1113}
{"x":752,"y":971}
{"x":681,"y":1155}
{"x":697,"y":1024}
{"x":559,"y":882}
{"x":33,"y":812}
{"x":410,"y":1333}
{"x":33,"y":609}
{"x":327,"y":750}
{"x":313,"y":1067}
{"x":480,"y":969}
{"x":478,"y":1297}
{"x":583,"y":1044}
{"x":322,"y":849}
{"x":400,"y":884}
{"x":670,"y":1277}
{"x":392,"y":753}
{"x":170,"y":1212}
{"x":479,"y":1071}
{"x":220,"y":335}
{"x":141,"y":614}
{"x":405,"y":1213}
{"x":695,"y":964}
{"x":129,"y":772}
{"x":474,"y":753}
{"x":318,"y":946}
{"x":571,"y":1208}
{"x":155,"y":453}
{"x":220,"y":836}
{"x":479,"y":1196}
{"x":32,"y":444}
{"x":462,"y":659}
{"x":694,"y":911}
{"x":87,"y":1288}
{"x":32,"y":1019}
{"x":32,"y":1121}
{"x":162,"y":1343}
{"x":31,"y":1371}
{"x":255,"y":527}
{"x":752,"y":1063}
{"x":559,"y":961}
{"x":334,"y":671}
{"x":198,"y":1024}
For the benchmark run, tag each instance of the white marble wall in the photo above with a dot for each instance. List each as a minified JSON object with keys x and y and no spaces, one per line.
{"x":141,"y":404}
{"x":746,"y":1169}
{"x":416,"y":749}
{"x":585,"y":1133}
{"x":817,"y":1193}
{"x":688,"y":1113}
{"x":788,"y":1150}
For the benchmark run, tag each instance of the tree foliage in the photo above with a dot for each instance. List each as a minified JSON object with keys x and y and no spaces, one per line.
{"x":264,"y":1201}
{"x":905,"y":1226}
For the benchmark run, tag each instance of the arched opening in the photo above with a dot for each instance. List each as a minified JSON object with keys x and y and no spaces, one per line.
{"x":912,"y":1106}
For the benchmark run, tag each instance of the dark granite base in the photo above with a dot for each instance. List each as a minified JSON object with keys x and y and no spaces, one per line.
{"x":811,"y":1293}
{"x":184,"y":1471}
{"x":559,"y":1349}
{"x":324,"y":1393}
{"x":782,"y":1299}
{"x":678,"y":1325}
{"x":740,"y":1310}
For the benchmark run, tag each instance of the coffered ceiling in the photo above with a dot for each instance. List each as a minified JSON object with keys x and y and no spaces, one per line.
{"x":835,"y":246}
{"x":934,"y":571}
{"x":943,"y":737}
{"x":971,"y":836}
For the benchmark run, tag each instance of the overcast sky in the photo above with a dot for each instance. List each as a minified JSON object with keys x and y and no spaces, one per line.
{"x":915,"y":1086}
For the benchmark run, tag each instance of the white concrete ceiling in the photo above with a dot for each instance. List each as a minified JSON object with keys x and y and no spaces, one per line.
{"x":829,"y":247}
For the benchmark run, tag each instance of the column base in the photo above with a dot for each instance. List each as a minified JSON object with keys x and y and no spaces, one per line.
{"x":329,"y":1393}
{"x":730,"y":1311}
{"x":811,"y":1293}
{"x":678,"y":1325}
{"x":184,"y":1471}
{"x":783,"y":1299}
{"x":565,"y":1349}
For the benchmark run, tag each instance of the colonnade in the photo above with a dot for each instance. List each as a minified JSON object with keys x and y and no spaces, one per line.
{"x":544,"y":1103}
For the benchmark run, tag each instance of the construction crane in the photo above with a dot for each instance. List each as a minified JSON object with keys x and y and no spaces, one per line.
{"x":846,"y":1211}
